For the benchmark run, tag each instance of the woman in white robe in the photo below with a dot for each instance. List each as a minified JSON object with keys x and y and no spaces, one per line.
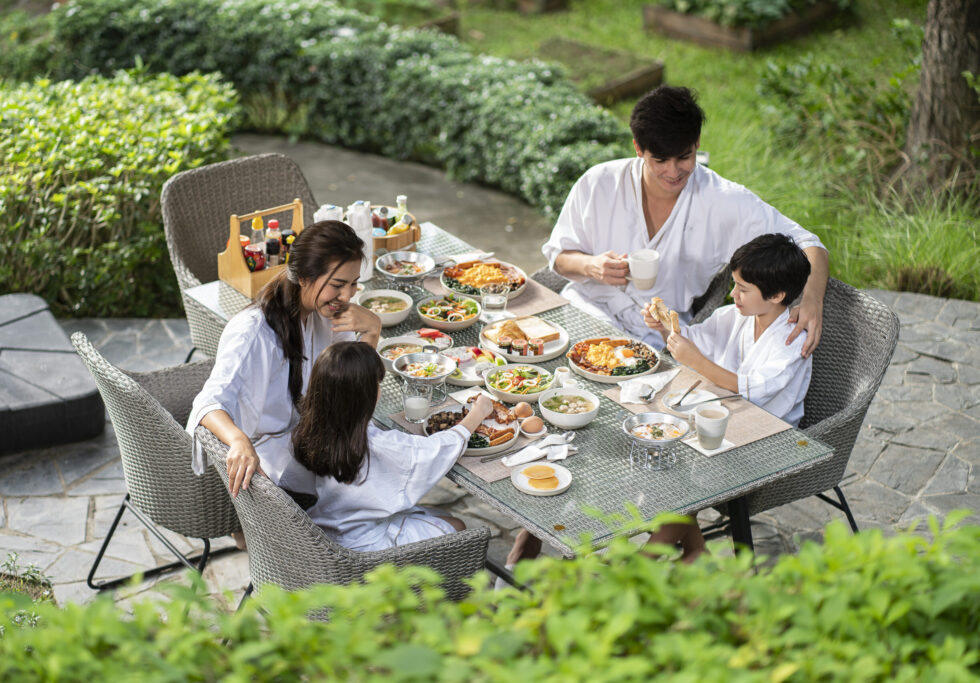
{"x":264,"y":357}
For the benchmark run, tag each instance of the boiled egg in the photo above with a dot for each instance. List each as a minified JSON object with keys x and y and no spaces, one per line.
{"x":532,"y":425}
{"x":523,"y":409}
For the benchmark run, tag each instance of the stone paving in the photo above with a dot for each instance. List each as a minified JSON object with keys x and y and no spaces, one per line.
{"x":918,"y":454}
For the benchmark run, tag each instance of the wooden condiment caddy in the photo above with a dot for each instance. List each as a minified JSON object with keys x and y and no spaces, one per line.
{"x":231,"y":262}
{"x":402,"y":242}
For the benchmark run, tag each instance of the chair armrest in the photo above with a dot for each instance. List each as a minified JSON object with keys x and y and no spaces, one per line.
{"x":175,"y":388}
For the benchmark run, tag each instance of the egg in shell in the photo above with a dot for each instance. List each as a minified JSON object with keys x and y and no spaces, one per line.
{"x":523,"y":409}
{"x":532,"y":425}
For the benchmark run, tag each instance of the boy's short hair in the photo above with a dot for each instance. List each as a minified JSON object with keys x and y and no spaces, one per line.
{"x":667,"y":121}
{"x":774,"y":264}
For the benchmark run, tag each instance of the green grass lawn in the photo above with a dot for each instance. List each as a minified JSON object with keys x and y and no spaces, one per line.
{"x":872,"y":243}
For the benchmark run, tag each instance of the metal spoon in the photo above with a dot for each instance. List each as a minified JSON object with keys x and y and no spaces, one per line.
{"x":684,"y":395}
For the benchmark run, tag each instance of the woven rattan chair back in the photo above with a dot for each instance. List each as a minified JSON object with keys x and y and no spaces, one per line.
{"x":856,"y":345}
{"x":197,"y":204}
{"x":287,"y":549}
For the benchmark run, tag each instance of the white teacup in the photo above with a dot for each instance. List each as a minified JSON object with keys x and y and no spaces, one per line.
{"x":644,"y":265}
{"x":711,"y":422}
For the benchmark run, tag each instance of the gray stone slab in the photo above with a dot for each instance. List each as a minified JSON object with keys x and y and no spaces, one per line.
{"x":938,"y":370}
{"x":74,"y":565}
{"x":867,"y":449}
{"x":955,"y":396}
{"x":915,"y":517}
{"x":61,"y":374}
{"x":915,"y":331}
{"x":871,"y":502}
{"x":808,"y":514}
{"x":937,"y":434}
{"x":894,"y":376}
{"x":16,"y":306}
{"x":893,"y":418}
{"x":944,"y":349}
{"x":952,"y":476}
{"x":919,"y":393}
{"x":108,"y":479}
{"x":29,"y":549}
{"x":126,"y":545}
{"x":18,"y":394}
{"x":946,"y":503}
{"x":967,"y":374}
{"x":54,"y":518}
{"x":94,"y":329}
{"x":37,"y":479}
{"x":903,"y":354}
{"x":904,"y":469}
{"x":79,"y":460}
{"x":76,"y":593}
{"x":969,"y":450}
{"x":885,"y":296}
{"x":914,"y":301}
{"x":38,"y":332}
{"x":956,"y":309}
{"x":487,"y":515}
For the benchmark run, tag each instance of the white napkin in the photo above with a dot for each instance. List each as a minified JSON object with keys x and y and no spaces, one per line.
{"x":552,"y":446}
{"x":470,"y":256}
{"x":632,"y":389}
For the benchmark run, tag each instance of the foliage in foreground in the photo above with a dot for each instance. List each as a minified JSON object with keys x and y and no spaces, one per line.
{"x":80,"y":178}
{"x":859,"y":607}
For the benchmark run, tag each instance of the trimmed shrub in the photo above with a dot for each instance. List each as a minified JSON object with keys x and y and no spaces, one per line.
{"x":82,"y":167}
{"x":749,"y":13}
{"x":859,"y":607}
{"x":310,"y":67}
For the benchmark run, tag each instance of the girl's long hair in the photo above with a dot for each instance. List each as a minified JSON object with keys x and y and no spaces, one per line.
{"x":331,"y":437}
{"x":320,"y":249}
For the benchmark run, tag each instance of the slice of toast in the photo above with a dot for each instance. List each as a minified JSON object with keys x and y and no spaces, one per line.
{"x":535,"y":327}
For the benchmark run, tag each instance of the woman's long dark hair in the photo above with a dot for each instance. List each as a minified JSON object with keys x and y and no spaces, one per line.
{"x":320,"y":249}
{"x":331,"y":437}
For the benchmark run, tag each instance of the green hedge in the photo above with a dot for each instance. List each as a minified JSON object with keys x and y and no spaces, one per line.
{"x":857,"y":608}
{"x":312,"y":68}
{"x":750,"y":13}
{"x":82,"y":167}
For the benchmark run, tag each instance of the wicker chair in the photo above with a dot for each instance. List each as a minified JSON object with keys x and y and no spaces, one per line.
{"x":196,"y":206}
{"x":147,"y":412}
{"x":287,"y":549}
{"x":701,"y":307}
{"x":856,"y":345}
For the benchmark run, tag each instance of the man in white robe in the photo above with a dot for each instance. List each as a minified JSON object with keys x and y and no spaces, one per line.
{"x":662,"y":199}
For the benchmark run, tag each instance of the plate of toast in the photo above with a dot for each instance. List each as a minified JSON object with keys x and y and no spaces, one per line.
{"x":525,"y":340}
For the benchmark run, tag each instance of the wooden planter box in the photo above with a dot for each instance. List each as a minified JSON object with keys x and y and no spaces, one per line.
{"x":448,"y":24}
{"x":626,"y":74}
{"x":539,"y":6}
{"x":740,"y":39}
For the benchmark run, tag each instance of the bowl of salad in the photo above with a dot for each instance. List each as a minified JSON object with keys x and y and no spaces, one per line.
{"x":425,"y":367}
{"x":517,"y":382}
{"x":449,"y":313}
{"x":390,"y":305}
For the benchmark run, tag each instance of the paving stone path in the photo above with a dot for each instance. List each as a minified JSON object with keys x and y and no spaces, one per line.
{"x":918,"y":455}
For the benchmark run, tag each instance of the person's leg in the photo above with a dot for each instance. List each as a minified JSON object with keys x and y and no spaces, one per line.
{"x":667,"y":534}
{"x":456,"y":524}
{"x":526,"y":547}
{"x":239,"y":538}
{"x":688,"y":534}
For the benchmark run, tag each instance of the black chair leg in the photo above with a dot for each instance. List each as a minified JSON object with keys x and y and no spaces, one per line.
{"x":245,"y":596}
{"x":189,"y":354}
{"x":182,"y":560}
{"x":840,"y":504}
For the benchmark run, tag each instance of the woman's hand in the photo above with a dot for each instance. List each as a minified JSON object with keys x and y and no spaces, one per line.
{"x":608,"y":268}
{"x":359,"y":319}
{"x":242,"y":463}
{"x":807,"y":316}
{"x":652,"y":321}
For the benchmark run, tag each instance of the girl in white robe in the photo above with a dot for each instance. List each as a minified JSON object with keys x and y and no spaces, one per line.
{"x":369,"y":481}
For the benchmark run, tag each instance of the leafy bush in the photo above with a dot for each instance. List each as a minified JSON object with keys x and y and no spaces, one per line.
{"x":80,"y":178}
{"x":750,"y":13}
{"x":314,"y":68}
{"x":859,"y":607}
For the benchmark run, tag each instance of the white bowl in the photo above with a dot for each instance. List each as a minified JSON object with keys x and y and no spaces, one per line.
{"x":515,"y":398}
{"x":445,"y":325}
{"x":565,"y":420}
{"x":394,"y":341}
{"x":387,"y":319}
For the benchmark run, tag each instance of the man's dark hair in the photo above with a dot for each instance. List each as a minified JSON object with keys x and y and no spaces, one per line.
{"x":774,"y":264}
{"x":667,"y":121}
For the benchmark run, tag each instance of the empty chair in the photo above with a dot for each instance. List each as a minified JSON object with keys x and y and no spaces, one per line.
{"x":148,"y":410}
{"x":287,"y":549}
{"x":197,"y":205}
{"x":856,"y":345}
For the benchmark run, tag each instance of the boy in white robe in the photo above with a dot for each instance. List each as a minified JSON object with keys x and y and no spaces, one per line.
{"x":741,"y":348}
{"x":662,"y":199}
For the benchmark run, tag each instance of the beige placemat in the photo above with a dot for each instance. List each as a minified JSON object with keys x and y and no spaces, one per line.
{"x":487,"y":471}
{"x":536,"y":298}
{"x":748,"y":422}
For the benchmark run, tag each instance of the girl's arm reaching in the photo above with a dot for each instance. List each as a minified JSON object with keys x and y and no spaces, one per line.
{"x":479,"y":410}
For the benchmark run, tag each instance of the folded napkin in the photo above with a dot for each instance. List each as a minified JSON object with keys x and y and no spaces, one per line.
{"x":469,"y":256}
{"x":631,"y":390}
{"x":553,"y":446}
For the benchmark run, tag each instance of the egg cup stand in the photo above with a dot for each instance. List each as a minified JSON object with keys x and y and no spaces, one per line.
{"x":231,"y":262}
{"x":440,"y":392}
{"x":652,"y":457}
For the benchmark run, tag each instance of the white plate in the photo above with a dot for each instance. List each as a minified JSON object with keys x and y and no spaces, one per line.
{"x":468,"y":376}
{"x":693,"y":397}
{"x":513,"y":293}
{"x":552,"y":349}
{"x":520,"y":481}
{"x":489,"y":450}
{"x":613,"y":379}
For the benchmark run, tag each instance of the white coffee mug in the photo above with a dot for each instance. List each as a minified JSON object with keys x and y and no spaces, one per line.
{"x":711,"y":421}
{"x":644,"y":265}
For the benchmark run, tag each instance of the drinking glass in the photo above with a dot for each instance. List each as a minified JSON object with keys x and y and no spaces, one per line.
{"x":417,"y":397}
{"x":493,"y":298}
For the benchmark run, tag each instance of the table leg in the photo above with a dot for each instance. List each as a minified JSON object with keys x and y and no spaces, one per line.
{"x":738,"y":510}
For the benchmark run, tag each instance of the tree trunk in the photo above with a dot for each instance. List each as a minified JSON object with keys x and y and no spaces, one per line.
{"x":946,"y":112}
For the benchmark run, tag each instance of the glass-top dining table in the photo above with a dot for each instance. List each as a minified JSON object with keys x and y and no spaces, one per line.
{"x":603,"y":477}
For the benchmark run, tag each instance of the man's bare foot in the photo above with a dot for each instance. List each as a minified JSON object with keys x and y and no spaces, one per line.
{"x":239,"y":539}
{"x":526,"y":547}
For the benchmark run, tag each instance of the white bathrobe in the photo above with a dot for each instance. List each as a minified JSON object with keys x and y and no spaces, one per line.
{"x":710,"y":220}
{"x":380,"y":509}
{"x":771,"y":374}
{"x":250,"y":382}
